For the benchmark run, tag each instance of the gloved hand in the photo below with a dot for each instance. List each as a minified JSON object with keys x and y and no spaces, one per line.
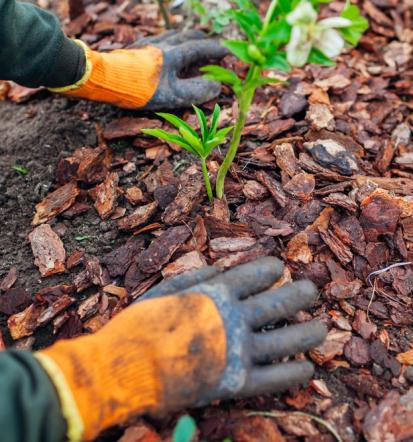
{"x":167,"y":352}
{"x":146,"y":75}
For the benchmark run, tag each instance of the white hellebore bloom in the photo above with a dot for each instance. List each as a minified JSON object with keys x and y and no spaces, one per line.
{"x":308,"y":33}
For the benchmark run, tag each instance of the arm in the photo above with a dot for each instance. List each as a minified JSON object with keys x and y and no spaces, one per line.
{"x":33,"y":49}
{"x":29,"y":404}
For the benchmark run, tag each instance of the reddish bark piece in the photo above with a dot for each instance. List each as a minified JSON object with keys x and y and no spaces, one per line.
{"x":190,"y":193}
{"x":20,"y":94}
{"x":89,"y":306}
{"x":55,"y":203}
{"x":385,"y":156}
{"x":163,"y":176}
{"x":96,"y":274}
{"x":190,"y":261}
{"x":333,"y":346}
{"x":301,"y":186}
{"x":4,"y":89}
{"x":165,"y":195}
{"x":218,"y":228}
{"x":24,"y":323}
{"x":264,"y":247}
{"x":134,"y":195}
{"x":321,"y":387}
{"x":129,"y":127}
{"x":339,"y":249}
{"x":256,"y":429}
{"x":357,"y":351}
{"x":199,"y":236}
{"x":220,"y":210}
{"x":134,"y":277}
{"x":301,"y":426}
{"x":320,"y":116}
{"x":298,"y":249}
{"x":364,"y":383}
{"x":140,"y":216}
{"x":273,"y":187}
{"x":381,"y":356}
{"x":48,"y":250}
{"x":219,"y":247}
{"x":286,"y":159}
{"x":376,"y":253}
{"x":350,"y":232}
{"x":362,"y":326}
{"x":161,"y":249}
{"x":400,"y":186}
{"x":391,"y":419}
{"x":54,"y":309}
{"x":379,"y":216}
{"x":89,"y":165}
{"x":74,"y":259}
{"x":9,"y":280}
{"x":107,"y":195}
{"x":119,"y":260}
{"x":140,"y":432}
{"x":115,"y":290}
{"x":254,"y":191}
{"x":145,"y":286}
{"x":50,"y":294}
{"x":75,"y":210}
{"x":341,"y":200}
{"x":14,"y":300}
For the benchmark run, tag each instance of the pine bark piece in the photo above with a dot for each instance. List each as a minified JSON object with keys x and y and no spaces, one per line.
{"x":342,"y":252}
{"x":14,"y":300}
{"x":186,"y":263}
{"x":254,"y":191}
{"x":140,"y":216}
{"x":54,"y":309}
{"x":9,"y":280}
{"x":379,"y":216}
{"x":119,"y":260}
{"x":341,"y":200}
{"x":161,"y":249}
{"x":301,"y":186}
{"x":119,"y":292}
{"x":256,"y":428}
{"x":199,"y":237}
{"x":129,"y":127}
{"x":286,"y":159}
{"x":220,"y":247}
{"x":217,"y":228}
{"x":48,"y":250}
{"x":55,"y":203}
{"x":333,"y":346}
{"x":190,"y":193}
{"x":107,"y":195}
{"x":89,"y":306}
{"x":89,"y":165}
{"x":24,"y":323}
{"x":273,"y":186}
{"x":135,"y":196}
{"x":298,"y":249}
{"x":74,"y":259}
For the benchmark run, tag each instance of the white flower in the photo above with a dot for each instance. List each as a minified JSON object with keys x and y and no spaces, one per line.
{"x":307,"y":33}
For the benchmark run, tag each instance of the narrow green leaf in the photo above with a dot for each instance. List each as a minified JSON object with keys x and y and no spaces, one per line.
{"x":214,"y":121}
{"x":177,"y":122}
{"x":278,"y":34}
{"x":21,"y":170}
{"x":184,"y":430}
{"x":170,"y":138}
{"x":318,"y":57}
{"x":222,"y":133}
{"x":359,"y":24}
{"x":264,"y":81}
{"x":83,"y":238}
{"x":240,"y":49}
{"x":192,"y":140}
{"x":278,"y":60}
{"x":218,"y":73}
{"x":202,"y":122}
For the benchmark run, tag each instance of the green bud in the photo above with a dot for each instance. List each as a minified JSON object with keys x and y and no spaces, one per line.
{"x":255,"y":54}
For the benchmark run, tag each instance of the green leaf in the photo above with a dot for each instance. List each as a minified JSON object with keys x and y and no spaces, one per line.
{"x":170,"y":138}
{"x":23,"y":171}
{"x":217,"y":140}
{"x":83,"y":238}
{"x":203,"y":123}
{"x":240,"y":49}
{"x":192,"y":140}
{"x":222,"y":133}
{"x":264,"y":81}
{"x":184,"y":430}
{"x":359,"y":24}
{"x":223,"y":75}
{"x":177,"y":122}
{"x":318,"y":57}
{"x":278,"y":60}
{"x":214,"y":121}
{"x":278,"y":33}
{"x":286,"y":6}
{"x":249,"y":22}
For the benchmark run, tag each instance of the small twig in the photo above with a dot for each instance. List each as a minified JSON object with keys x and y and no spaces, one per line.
{"x":164,"y":13}
{"x":322,"y":422}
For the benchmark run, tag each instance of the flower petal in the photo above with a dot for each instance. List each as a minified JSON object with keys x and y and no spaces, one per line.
{"x":299,"y":47}
{"x":330,"y":42}
{"x":304,"y":13}
{"x":334,"y":22}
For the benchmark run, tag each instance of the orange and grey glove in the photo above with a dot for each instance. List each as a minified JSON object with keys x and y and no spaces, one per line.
{"x":146,"y":75}
{"x":201,"y":344}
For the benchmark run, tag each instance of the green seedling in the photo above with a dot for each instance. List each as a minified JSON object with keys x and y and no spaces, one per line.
{"x":200,"y":145}
{"x":185,"y":429}
{"x":21,"y":170}
{"x":83,"y":238}
{"x":289,"y":35}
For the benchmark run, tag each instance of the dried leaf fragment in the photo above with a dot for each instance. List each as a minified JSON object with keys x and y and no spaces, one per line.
{"x":48,"y":250}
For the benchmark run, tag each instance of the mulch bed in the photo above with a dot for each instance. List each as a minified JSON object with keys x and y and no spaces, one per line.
{"x":324,"y":180}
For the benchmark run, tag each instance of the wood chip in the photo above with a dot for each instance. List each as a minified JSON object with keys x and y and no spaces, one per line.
{"x":48,"y":250}
{"x":55,"y":203}
{"x":219,"y":247}
{"x":129,"y":127}
{"x":107,"y":195}
{"x":333,"y":346}
{"x":301,"y":186}
{"x":9,"y":280}
{"x":24,"y":323}
{"x":140,"y":216}
{"x":135,"y":196}
{"x":273,"y":186}
{"x":186,"y":263}
{"x":298,"y":249}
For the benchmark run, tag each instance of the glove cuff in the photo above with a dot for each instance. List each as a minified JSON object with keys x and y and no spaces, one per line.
{"x":127,"y":78}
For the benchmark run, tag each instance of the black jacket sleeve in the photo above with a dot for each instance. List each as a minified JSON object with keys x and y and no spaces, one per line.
{"x":29,"y":404}
{"x":33,"y":49}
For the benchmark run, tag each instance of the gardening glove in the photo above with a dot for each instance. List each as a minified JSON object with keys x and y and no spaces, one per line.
{"x":169,"y":352}
{"x":146,"y":75}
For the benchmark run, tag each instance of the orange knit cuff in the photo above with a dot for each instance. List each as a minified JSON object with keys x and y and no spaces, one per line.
{"x":127,"y":78}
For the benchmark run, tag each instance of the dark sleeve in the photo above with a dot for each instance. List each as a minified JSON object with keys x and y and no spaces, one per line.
{"x":29,"y":405}
{"x":33,"y":49}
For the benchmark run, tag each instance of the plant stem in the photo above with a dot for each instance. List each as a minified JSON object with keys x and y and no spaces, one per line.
{"x":268,"y":16}
{"x":244,"y":101}
{"x":207,"y":180}
{"x":165,"y":14}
